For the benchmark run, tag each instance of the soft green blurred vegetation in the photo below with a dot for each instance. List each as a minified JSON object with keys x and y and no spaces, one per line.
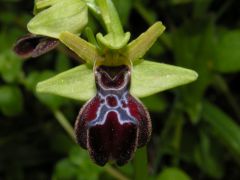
{"x":196,"y":128}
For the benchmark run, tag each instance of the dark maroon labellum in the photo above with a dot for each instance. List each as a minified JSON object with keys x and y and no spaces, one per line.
{"x":113,"y":123}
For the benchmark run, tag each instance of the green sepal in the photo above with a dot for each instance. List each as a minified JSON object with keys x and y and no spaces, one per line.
{"x":147,"y":78}
{"x":150,"y":77}
{"x":66,"y":15}
{"x":77,"y":83}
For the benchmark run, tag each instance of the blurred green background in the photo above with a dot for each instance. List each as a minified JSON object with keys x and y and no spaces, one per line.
{"x":196,"y":132}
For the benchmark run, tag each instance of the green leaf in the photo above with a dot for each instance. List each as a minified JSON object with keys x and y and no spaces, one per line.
{"x":78,"y":166}
{"x":77,"y":83}
{"x":11,"y":100}
{"x":62,"y":63}
{"x":200,"y":7}
{"x":193,"y":46}
{"x":150,"y":77}
{"x":65,"y":170}
{"x":227,"y":52}
{"x":154,"y":103}
{"x":223,"y":127}
{"x":66,"y":15}
{"x":140,"y":164}
{"x":124,"y":8}
{"x":49,"y":100}
{"x":10,"y":66}
{"x":173,"y":173}
{"x":206,"y":159}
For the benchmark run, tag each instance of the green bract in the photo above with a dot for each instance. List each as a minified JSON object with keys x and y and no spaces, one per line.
{"x":64,"y":19}
{"x":64,"y":15}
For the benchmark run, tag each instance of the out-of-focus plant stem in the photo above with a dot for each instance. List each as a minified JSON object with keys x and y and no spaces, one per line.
{"x":112,"y":171}
{"x":140,"y":164}
{"x":64,"y":123}
{"x":221,"y":85}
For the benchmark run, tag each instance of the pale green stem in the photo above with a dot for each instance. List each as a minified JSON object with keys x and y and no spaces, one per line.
{"x":144,"y":13}
{"x":177,"y":138}
{"x":112,"y":171}
{"x":64,"y":123}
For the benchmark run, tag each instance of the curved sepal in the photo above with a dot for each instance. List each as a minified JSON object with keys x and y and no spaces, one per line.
{"x":151,"y":77}
{"x":64,"y":15}
{"x":76,"y":83}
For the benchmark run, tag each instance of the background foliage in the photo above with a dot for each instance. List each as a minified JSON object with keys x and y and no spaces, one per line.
{"x":196,"y":132}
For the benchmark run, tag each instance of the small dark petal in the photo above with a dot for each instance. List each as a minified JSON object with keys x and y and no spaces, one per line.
{"x":45,"y":45}
{"x":33,"y":45}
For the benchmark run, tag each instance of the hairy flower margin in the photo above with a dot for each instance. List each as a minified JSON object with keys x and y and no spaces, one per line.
{"x":113,"y":123}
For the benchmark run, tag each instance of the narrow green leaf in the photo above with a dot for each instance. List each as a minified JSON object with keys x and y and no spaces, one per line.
{"x":224,"y":127}
{"x":137,"y":48}
{"x":206,"y":159}
{"x":77,"y":83}
{"x":173,"y":173}
{"x":151,"y":77}
{"x":82,"y":48}
{"x":63,"y":16}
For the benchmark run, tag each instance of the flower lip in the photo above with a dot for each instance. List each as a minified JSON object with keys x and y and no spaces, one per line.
{"x":113,"y":123}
